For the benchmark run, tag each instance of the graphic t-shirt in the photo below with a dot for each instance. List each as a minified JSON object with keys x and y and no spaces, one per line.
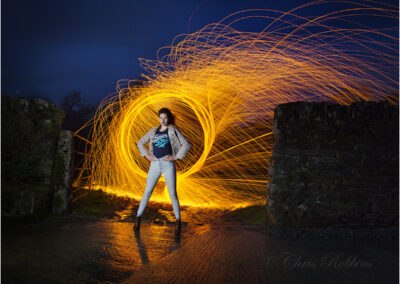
{"x":161,"y":144}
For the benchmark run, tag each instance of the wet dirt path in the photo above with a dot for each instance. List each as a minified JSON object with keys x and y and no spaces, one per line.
{"x":73,"y":249}
{"x":235,"y":254}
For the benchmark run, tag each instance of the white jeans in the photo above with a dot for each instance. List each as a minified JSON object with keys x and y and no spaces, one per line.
{"x":167,"y":168}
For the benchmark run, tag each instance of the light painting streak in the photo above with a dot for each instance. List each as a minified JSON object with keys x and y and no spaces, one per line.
{"x":223,"y":84}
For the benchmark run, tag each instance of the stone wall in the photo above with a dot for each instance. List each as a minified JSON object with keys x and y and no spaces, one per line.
{"x":62,"y":197}
{"x":334,"y":165}
{"x":34,"y":159}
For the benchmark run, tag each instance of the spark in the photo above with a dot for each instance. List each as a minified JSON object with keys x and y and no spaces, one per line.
{"x":223,"y":84}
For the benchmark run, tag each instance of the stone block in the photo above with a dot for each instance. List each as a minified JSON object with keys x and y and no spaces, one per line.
{"x":335,"y":161}
{"x":62,"y":172}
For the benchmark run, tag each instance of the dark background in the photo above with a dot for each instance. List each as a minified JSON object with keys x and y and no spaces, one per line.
{"x":53,"y":48}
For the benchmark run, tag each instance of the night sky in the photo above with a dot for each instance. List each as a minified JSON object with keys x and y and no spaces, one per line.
{"x":51,"y":48}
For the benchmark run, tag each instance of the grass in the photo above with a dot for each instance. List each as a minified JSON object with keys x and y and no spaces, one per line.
{"x":254,"y":215}
{"x":97,"y":203}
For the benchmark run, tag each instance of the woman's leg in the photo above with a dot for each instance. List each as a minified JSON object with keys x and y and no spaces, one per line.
{"x":152,"y":177}
{"x":169,"y":172}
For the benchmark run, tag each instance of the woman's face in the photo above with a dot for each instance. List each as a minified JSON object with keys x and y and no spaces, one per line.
{"x":163,"y":119}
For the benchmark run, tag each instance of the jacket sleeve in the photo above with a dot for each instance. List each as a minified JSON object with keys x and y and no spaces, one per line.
{"x":142,"y":141}
{"x":185,"y":145}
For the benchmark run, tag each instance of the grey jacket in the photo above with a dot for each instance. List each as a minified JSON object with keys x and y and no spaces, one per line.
{"x":179,"y":144}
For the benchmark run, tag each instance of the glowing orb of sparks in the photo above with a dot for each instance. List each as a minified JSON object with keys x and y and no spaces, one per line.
{"x":128,"y":123}
{"x":222,"y":85}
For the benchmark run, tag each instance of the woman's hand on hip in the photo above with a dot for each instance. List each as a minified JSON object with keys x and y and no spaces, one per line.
{"x":170,"y":158}
{"x":151,"y":158}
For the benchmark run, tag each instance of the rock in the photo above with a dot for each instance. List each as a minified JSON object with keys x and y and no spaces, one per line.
{"x":25,"y":104}
{"x":23,"y":205}
{"x":41,"y":104}
{"x":334,"y":165}
{"x":62,"y":172}
{"x":30,"y":131}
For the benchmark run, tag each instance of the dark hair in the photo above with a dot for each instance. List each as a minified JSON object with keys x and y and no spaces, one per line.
{"x":171,"y":118}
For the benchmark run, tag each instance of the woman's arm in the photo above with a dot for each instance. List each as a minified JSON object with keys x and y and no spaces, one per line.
{"x":185,"y":145}
{"x":142,"y":141}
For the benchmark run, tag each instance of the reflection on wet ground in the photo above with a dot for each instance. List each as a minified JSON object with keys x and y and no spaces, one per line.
{"x":225,"y":254}
{"x":73,"y":249}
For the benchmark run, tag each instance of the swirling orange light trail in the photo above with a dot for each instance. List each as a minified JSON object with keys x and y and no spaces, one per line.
{"x":223,"y":85}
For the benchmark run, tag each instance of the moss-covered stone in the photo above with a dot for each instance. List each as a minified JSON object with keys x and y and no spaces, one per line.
{"x":97,"y":203}
{"x":30,"y":131}
{"x":62,"y":172}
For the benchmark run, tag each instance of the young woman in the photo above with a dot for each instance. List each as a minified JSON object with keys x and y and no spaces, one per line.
{"x":167,"y":144}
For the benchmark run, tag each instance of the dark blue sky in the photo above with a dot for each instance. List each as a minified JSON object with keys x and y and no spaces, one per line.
{"x":51,"y":48}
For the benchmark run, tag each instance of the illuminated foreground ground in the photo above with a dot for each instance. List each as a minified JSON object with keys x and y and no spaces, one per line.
{"x":212,"y":249}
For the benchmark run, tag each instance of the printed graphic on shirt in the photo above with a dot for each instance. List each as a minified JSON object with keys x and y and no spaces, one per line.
{"x":160,"y":140}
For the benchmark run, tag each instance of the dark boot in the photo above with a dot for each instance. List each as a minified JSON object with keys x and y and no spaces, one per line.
{"x":136,"y":227}
{"x":178,"y":227}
